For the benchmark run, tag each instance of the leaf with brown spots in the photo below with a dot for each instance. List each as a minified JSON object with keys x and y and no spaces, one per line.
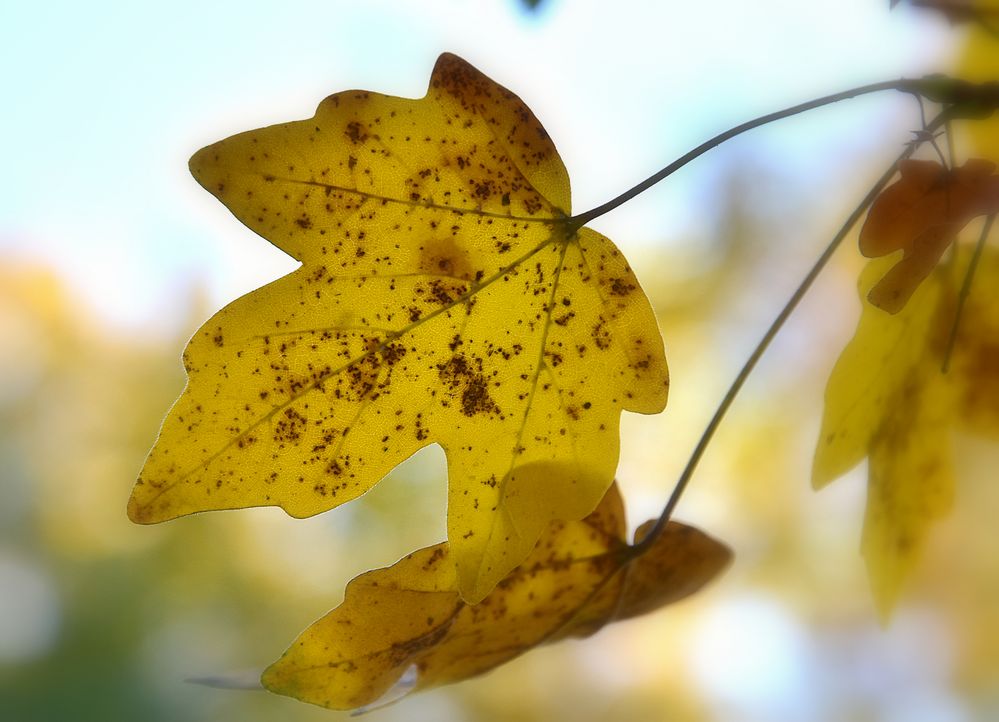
{"x":444,"y":296}
{"x":408,"y":622}
{"x":921,"y":215}
{"x":888,"y":400}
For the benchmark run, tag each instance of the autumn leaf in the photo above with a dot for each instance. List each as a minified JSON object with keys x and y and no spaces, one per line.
{"x":445,"y":296}
{"x":409,"y":619}
{"x":921,"y":214}
{"x":888,"y":400}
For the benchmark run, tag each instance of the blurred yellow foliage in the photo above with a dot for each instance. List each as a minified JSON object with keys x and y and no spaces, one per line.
{"x":889,"y":399}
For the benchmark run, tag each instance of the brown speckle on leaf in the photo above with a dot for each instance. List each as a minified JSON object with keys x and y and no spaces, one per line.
{"x":289,"y":426}
{"x":621,"y":287}
{"x":601,"y":336}
{"x":356,"y":132}
{"x":460,"y":377}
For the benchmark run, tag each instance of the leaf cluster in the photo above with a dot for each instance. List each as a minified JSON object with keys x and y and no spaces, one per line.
{"x":448,"y":295}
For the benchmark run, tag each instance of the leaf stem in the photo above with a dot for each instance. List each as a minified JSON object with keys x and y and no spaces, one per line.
{"x":962,"y":297}
{"x":580,"y":220}
{"x":761,"y":347}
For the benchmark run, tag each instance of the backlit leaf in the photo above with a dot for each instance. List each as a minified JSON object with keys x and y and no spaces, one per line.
{"x":921,"y":215}
{"x":408,"y":622}
{"x":888,"y":400}
{"x":443,"y":297}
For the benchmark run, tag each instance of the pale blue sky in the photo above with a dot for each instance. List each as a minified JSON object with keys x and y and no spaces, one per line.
{"x":105,"y":101}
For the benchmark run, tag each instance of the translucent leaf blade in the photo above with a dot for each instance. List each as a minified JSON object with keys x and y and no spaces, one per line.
{"x":442,"y":298}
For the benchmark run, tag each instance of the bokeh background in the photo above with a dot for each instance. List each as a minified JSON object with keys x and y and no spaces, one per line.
{"x":111,"y":256}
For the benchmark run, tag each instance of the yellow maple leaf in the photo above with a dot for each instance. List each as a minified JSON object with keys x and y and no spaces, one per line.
{"x":889,"y":400}
{"x":410,"y":618}
{"x":445,"y":296}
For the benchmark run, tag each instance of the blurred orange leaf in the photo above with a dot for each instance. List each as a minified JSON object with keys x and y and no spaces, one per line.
{"x":407,"y":626}
{"x":921,"y":215}
{"x":888,"y":400}
{"x":445,"y":296}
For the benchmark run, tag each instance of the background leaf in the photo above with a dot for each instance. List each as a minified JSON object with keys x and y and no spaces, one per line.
{"x":888,"y":400}
{"x":922,"y":214}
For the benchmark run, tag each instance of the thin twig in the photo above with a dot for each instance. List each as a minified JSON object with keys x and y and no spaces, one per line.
{"x":754,"y":357}
{"x":580,"y":220}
